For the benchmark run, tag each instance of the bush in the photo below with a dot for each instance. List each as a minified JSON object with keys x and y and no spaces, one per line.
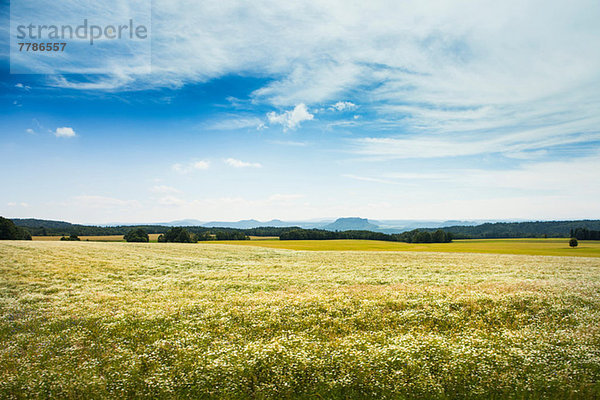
{"x":9,"y":231}
{"x":137,"y":235}
{"x":73,"y":237}
{"x":177,"y":235}
{"x":573,"y":242}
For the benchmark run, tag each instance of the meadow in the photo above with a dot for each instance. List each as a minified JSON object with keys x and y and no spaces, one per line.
{"x":540,"y":247}
{"x":162,"y":320}
{"x":547,"y":247}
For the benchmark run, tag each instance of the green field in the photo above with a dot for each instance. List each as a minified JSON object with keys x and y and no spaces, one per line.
{"x":122,"y":320}
{"x":539,"y":247}
{"x":549,"y":247}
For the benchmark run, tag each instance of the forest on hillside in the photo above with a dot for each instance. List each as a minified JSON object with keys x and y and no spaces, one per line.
{"x":538,"y":229}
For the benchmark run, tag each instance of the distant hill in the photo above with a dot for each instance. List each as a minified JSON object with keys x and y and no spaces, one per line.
{"x":253,"y":227}
{"x":243,"y":224}
{"x":183,"y":222}
{"x":351,"y":224}
{"x":45,"y":223}
{"x":521,"y":229}
{"x":399,"y":226}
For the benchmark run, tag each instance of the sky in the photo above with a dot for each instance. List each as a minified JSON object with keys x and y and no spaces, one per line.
{"x":319,"y":109}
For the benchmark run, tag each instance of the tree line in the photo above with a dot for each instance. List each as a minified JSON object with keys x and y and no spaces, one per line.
{"x":585,"y":234}
{"x":182,"y":235}
{"x":36,"y":227}
{"x":414,"y":236}
{"x":9,"y":231}
{"x":536,"y":229}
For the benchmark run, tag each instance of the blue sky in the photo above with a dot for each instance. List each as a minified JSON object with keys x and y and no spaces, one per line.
{"x":386,"y":110}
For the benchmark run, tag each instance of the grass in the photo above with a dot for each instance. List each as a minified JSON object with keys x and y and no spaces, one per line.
{"x":101,"y":238}
{"x":125,"y":320}
{"x":540,"y":247}
{"x":549,"y":247}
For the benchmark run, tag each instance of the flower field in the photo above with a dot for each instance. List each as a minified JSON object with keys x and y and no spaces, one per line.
{"x":161,"y":320}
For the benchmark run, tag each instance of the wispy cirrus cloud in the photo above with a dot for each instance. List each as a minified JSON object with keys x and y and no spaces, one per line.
{"x":164,"y":189}
{"x":289,"y":143}
{"x":518,"y":143}
{"x":441,"y":67}
{"x":555,"y":178}
{"x":95,"y":201}
{"x":242,"y":164}
{"x":15,"y":204}
{"x":186,"y":168}
{"x":234,"y":122}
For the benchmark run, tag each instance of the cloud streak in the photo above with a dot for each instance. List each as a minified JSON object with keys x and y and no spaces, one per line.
{"x":241,"y":164}
{"x":191,"y":166}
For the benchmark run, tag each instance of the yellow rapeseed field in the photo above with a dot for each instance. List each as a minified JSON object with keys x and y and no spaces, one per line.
{"x":160,"y":320}
{"x":538,"y":247}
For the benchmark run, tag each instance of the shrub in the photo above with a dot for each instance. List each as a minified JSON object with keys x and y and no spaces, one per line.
{"x":137,"y":235}
{"x":177,"y":235}
{"x":73,"y":237}
{"x":573,"y":242}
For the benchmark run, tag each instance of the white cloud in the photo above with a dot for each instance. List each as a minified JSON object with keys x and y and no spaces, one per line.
{"x":343,"y":106}
{"x":543,"y":177}
{"x":65,"y":132}
{"x":233,"y":123}
{"x":516,"y":144}
{"x":231,"y":207}
{"x":284,"y":198}
{"x":242,"y":164}
{"x":288,"y":143}
{"x":172,"y":201}
{"x":21,"y":86}
{"x":15,"y":204}
{"x":118,"y":80}
{"x":191,"y":166}
{"x":290,"y":119}
{"x":164,"y":189}
{"x":30,"y":131}
{"x":94,"y":201}
{"x":482,"y":67}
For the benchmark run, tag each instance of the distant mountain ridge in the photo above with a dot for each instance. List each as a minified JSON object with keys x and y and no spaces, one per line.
{"x":351,"y":224}
{"x":340,"y":224}
{"x":460,"y":229}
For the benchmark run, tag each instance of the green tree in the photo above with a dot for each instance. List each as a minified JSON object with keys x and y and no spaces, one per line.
{"x":573,"y":242}
{"x":9,"y":231}
{"x":438,"y":236}
{"x":72,"y":238}
{"x":137,"y":235}
{"x":422,"y":237}
{"x":178,"y":235}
